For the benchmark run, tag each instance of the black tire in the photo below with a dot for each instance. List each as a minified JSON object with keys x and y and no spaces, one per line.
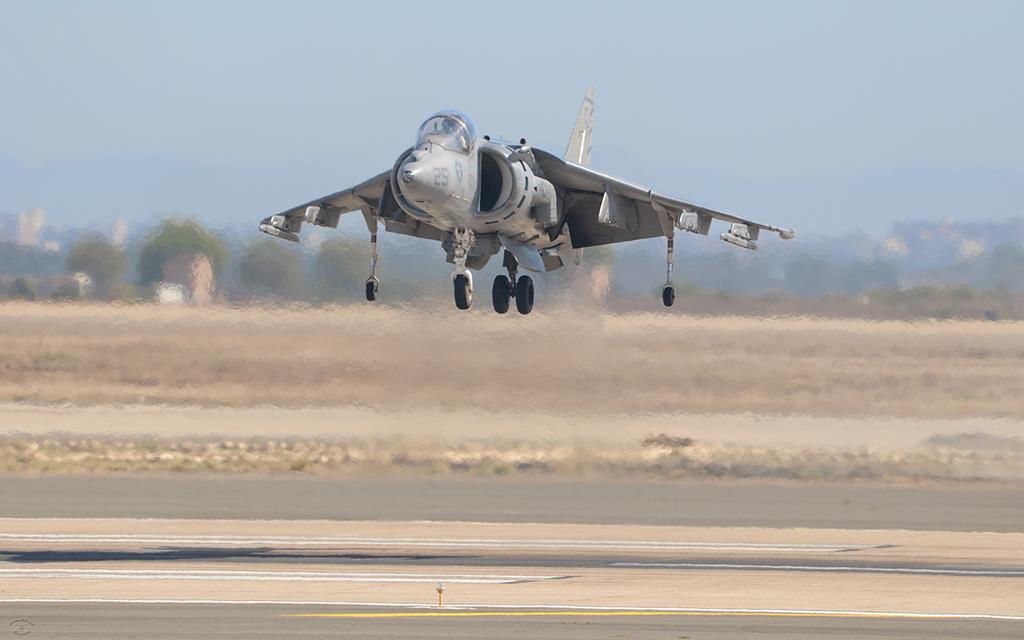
{"x":371,"y":290}
{"x":463,"y":294}
{"x":668,"y":295}
{"x":524,"y":294}
{"x":501,"y":294}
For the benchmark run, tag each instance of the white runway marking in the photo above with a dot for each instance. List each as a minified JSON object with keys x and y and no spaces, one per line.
{"x":554,"y":607}
{"x":795,"y":567}
{"x":268,"y":576}
{"x":482,"y":543}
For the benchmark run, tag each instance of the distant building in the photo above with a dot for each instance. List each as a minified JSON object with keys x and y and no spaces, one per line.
{"x":30,"y":224}
{"x":83,"y":283}
{"x":119,"y":233}
{"x":193,"y":273}
{"x":170,"y":293}
{"x":937,"y":244}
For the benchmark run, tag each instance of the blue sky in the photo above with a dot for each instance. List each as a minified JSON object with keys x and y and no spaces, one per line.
{"x":826,"y":116}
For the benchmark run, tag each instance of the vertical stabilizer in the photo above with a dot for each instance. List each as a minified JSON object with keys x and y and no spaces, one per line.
{"x":578,"y":150}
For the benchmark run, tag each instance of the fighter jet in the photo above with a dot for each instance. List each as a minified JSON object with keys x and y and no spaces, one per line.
{"x":477,"y":196}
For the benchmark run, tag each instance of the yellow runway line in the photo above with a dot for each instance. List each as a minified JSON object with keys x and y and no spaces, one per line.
{"x":532,"y":614}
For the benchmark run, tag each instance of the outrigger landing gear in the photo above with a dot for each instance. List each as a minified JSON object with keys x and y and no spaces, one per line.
{"x":373,"y":282}
{"x":462,"y":279}
{"x":668,"y":293}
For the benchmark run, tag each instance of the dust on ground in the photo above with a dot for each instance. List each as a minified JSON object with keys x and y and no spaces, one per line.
{"x":564,"y":361}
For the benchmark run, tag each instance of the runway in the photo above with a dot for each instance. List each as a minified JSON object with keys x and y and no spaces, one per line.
{"x":119,"y":577}
{"x":116,"y":621}
{"x":233,"y":557}
{"x":685,"y":502}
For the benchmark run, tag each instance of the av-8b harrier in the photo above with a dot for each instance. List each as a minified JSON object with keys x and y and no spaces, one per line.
{"x":478,"y":196}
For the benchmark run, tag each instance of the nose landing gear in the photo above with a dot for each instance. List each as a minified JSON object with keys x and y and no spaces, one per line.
{"x":463,"y":283}
{"x":462,"y":279}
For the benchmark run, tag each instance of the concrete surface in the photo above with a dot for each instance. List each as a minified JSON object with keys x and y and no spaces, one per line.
{"x":500,"y":500}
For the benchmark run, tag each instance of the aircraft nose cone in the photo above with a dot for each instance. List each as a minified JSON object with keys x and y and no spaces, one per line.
{"x":414,"y":183}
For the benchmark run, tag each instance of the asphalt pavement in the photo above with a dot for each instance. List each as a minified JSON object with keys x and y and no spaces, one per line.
{"x":690,"y":503}
{"x":87,"y":621}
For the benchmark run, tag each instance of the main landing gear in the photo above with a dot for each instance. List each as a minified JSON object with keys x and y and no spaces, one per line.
{"x":524,"y":294}
{"x":507,"y":287}
{"x":501,"y":293}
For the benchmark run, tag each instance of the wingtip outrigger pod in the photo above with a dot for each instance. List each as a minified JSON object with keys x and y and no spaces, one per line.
{"x":278,"y":227}
{"x":741,"y":235}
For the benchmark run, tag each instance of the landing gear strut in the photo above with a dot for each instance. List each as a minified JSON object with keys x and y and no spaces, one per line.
{"x":373,"y":282}
{"x":462,"y":279}
{"x":668,"y":293}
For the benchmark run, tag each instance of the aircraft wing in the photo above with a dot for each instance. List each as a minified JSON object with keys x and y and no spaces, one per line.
{"x":601,"y":209}
{"x":326,"y":211}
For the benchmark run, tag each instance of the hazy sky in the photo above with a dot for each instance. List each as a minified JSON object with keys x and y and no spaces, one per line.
{"x":820,"y":115}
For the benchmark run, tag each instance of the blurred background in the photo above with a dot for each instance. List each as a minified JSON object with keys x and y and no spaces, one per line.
{"x":824,"y":425}
{"x":143,"y":143}
{"x":887,"y":135}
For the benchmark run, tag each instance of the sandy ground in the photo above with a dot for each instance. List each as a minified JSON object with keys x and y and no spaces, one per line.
{"x":587,"y":364}
{"x":741,"y":428}
{"x":363,"y":372}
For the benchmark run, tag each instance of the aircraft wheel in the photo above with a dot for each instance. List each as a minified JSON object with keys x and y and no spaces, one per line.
{"x":501,"y":293}
{"x":463,"y":292}
{"x":372,"y":287}
{"x":524,"y":294}
{"x":668,"y":295}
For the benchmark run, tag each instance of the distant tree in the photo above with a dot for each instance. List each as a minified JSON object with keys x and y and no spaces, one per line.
{"x":23,"y":288}
{"x":175,"y":238}
{"x":272,"y":268}
{"x":66,"y":291}
{"x":125,"y":292}
{"x":1007,"y":268}
{"x":19,"y":260}
{"x":339,"y":269}
{"x":102,"y":261}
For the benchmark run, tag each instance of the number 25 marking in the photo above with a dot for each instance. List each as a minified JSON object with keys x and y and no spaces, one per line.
{"x":441,"y":176}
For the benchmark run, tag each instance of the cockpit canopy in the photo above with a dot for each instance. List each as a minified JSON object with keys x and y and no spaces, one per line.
{"x":449,"y":129}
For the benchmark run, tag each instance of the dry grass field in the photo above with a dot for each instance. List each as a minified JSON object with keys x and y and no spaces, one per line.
{"x":566,"y":360}
{"x":938,"y":459}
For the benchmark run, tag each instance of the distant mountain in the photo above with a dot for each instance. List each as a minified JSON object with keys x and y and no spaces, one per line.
{"x":92,"y":192}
